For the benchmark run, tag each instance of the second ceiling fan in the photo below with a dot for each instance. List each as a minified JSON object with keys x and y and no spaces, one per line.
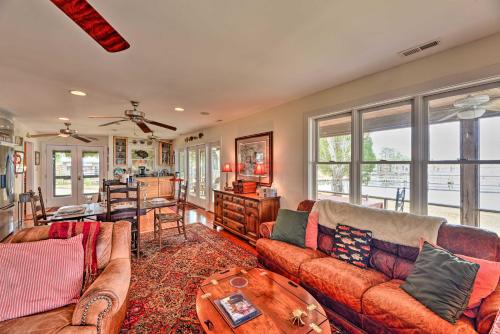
{"x":136,"y":116}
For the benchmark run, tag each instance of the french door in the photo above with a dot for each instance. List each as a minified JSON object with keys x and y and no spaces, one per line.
{"x":73,"y":173}
{"x":215,"y":177}
{"x":197,"y":175}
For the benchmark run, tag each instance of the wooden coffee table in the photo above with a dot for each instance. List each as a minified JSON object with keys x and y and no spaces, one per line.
{"x":274,"y":295}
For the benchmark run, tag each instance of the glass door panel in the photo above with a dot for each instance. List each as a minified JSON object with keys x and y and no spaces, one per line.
{"x":62,"y":173}
{"x":202,"y":194}
{"x":90,"y":172}
{"x":192,"y":172}
{"x":214,"y":172}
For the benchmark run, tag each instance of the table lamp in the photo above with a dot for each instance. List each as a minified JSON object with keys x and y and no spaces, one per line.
{"x":227,"y":169}
{"x":259,"y":170}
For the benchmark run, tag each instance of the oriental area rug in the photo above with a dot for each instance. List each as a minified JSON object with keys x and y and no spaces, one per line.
{"x":162,"y":297}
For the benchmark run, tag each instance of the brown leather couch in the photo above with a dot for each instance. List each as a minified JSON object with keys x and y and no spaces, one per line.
{"x":102,"y":307}
{"x":370,"y":300}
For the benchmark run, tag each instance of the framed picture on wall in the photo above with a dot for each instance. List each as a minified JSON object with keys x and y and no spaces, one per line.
{"x":19,"y":162}
{"x":254,"y":158}
{"x":37,"y":158}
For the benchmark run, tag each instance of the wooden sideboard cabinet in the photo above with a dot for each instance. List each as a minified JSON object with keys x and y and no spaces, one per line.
{"x":242,"y":214}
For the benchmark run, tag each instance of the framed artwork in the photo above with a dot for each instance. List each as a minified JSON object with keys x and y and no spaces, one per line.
{"x":254,"y":158}
{"x":37,"y":158}
{"x":19,"y":162}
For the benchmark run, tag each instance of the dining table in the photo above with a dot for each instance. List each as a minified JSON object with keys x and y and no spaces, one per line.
{"x":99,"y":208}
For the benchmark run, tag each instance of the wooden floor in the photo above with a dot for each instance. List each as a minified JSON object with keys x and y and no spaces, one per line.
{"x":192,"y":216}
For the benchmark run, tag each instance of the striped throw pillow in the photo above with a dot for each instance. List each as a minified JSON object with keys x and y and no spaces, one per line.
{"x":39,"y":276}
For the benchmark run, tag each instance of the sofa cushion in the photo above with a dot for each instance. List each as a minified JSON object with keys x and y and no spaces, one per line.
{"x":287,"y":257}
{"x":339,"y":280}
{"x":352,"y":245}
{"x":40,"y":276}
{"x":291,"y":227}
{"x":47,"y":323}
{"x":387,"y":303}
{"x":442,"y":281}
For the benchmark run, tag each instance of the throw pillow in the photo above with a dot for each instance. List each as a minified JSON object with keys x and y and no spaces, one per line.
{"x":39,"y":276}
{"x":485,"y":283}
{"x":441,"y":281}
{"x":312,"y":231}
{"x":290,"y":227}
{"x":352,"y":245}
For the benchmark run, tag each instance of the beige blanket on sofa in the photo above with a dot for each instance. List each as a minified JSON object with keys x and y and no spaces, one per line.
{"x":396,"y":227}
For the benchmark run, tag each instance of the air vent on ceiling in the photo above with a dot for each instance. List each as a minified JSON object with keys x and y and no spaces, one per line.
{"x":419,"y":48}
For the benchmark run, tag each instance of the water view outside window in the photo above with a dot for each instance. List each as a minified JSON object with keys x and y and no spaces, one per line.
{"x":90,"y":170}
{"x":62,"y":173}
{"x":334,"y":158}
{"x":464,"y":157}
{"x":385,"y":171}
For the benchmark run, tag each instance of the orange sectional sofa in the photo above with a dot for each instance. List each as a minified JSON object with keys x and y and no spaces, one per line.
{"x":371,"y":300}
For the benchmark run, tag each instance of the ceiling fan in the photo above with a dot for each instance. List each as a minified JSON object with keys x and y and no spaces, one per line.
{"x":136,"y":116}
{"x":469,"y":107}
{"x":64,"y":133}
{"x":83,"y":14}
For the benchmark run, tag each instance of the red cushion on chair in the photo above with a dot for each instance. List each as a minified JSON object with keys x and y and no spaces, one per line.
{"x":39,"y":276}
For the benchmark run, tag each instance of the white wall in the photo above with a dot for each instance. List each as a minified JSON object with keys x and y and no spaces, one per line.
{"x":473,"y":61}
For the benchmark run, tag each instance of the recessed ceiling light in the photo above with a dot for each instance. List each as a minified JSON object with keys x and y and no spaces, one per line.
{"x":204,"y":113}
{"x":178,"y":109}
{"x":63,"y":118}
{"x":78,"y":92}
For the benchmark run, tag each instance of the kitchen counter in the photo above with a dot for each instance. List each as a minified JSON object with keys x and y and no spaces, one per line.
{"x":163,"y":186}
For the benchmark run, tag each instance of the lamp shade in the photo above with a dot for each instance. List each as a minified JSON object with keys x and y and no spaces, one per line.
{"x":227,"y":168}
{"x":259,"y":169}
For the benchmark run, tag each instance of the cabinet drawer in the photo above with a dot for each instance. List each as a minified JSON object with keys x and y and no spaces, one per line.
{"x":252,"y":204}
{"x":234,"y":207}
{"x":227,"y":198}
{"x":234,"y":216}
{"x":239,"y":201}
{"x":234,"y":225}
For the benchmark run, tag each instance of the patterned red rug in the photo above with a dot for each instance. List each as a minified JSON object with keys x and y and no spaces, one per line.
{"x":164,"y":284}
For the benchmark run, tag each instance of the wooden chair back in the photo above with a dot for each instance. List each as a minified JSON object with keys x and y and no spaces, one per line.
{"x":182,"y":199}
{"x":39,"y":215}
{"x":400,"y":199}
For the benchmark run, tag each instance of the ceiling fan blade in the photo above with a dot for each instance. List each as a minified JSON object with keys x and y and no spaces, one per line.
{"x":108,"y":117}
{"x":161,"y":124}
{"x":83,"y":14}
{"x":81,"y":138}
{"x":114,"y":122}
{"x":445,"y":118}
{"x":43,"y":135}
{"x":144,"y":127}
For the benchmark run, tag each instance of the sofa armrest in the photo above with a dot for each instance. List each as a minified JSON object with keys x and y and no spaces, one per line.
{"x":105,"y":297}
{"x":488,"y":311}
{"x":266,"y":229}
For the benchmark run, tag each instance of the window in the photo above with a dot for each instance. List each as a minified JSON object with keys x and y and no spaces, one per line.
{"x":464,"y":156}
{"x":437,"y":154}
{"x":333,"y":158}
{"x":90,"y":171}
{"x":386,"y":157}
{"x":62,"y":173}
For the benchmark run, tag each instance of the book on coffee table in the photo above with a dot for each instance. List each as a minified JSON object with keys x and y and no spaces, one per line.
{"x":237,"y":309}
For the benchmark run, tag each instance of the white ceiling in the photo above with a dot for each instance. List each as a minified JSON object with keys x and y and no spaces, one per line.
{"x":227,"y":57}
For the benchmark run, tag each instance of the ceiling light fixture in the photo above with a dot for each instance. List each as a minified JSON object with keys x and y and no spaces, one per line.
{"x":204,"y":113}
{"x":179,"y":109}
{"x":63,"y":118}
{"x":78,"y":92}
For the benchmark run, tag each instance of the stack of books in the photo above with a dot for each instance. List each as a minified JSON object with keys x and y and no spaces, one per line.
{"x":237,"y":309}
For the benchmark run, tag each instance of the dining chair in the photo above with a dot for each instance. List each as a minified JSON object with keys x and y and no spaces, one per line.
{"x":400,"y":199}
{"x":124,"y":203}
{"x":37,"y":210}
{"x":177,"y":216}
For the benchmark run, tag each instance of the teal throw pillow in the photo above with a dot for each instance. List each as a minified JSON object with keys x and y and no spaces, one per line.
{"x":290,"y":227}
{"x":441,"y":281}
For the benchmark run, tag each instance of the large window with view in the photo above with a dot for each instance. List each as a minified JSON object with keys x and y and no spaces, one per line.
{"x":386,"y":156}
{"x":333,"y":158}
{"x":435,"y":154}
{"x":463,"y":173}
